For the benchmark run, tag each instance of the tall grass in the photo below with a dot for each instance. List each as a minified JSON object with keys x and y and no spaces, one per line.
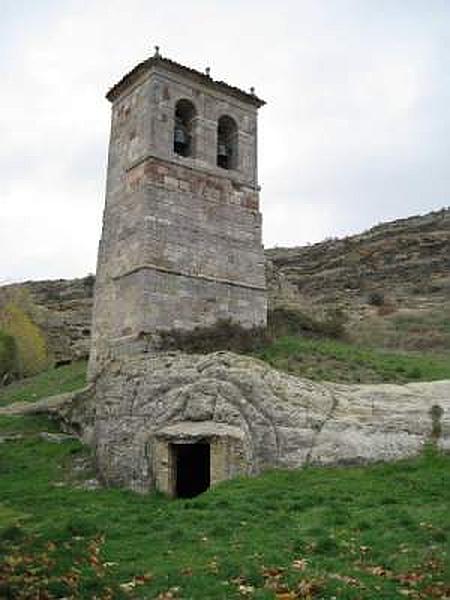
{"x":50,"y":382}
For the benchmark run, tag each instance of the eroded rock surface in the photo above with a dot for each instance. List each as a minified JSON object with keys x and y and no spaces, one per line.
{"x":392,"y":282}
{"x":254,"y":417}
{"x":406,"y":259}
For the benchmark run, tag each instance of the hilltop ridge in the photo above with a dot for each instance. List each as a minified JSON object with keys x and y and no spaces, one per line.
{"x":392,"y":280}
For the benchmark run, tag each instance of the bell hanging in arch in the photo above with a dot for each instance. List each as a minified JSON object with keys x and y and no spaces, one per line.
{"x":223,"y":154}
{"x":180,"y":139}
{"x":222,"y":150}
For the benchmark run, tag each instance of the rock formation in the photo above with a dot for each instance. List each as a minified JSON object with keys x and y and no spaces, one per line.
{"x":407,"y":259}
{"x":252,"y":417}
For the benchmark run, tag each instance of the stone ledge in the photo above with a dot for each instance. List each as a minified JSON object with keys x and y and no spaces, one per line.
{"x":162,"y":269}
{"x":192,"y":429}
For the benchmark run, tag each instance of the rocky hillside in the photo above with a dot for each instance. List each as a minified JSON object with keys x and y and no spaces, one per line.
{"x":392,"y":282}
{"x":60,"y":308}
{"x":406,"y":260}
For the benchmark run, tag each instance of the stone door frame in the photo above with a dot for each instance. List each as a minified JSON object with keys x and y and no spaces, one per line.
{"x":226,"y":452}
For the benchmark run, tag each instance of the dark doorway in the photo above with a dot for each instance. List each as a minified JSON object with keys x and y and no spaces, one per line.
{"x":192,"y":469}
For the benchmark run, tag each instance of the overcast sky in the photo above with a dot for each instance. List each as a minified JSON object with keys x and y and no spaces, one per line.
{"x":356,"y":130}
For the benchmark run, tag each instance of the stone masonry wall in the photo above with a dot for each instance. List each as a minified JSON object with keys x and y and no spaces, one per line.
{"x":181,"y":242}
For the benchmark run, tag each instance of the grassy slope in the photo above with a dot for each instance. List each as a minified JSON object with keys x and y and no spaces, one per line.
{"x":406,"y":329}
{"x":53,"y":381}
{"x":319,"y":359}
{"x":375,"y":532}
{"x":332,"y":360}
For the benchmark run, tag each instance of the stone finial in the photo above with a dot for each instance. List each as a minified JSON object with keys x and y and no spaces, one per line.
{"x":208,"y":71}
{"x":157,"y":54}
{"x":252,"y":91}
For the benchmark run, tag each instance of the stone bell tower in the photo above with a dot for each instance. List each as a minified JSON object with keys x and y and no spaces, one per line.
{"x":181,"y":241}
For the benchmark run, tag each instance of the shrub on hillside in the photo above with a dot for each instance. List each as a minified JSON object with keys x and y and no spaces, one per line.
{"x":224,"y":335}
{"x":228,"y":335}
{"x":283,"y":321}
{"x":89,"y":282}
{"x":376,"y":299}
{"x":386,"y":309}
{"x":32,"y":355}
{"x":9,"y":360}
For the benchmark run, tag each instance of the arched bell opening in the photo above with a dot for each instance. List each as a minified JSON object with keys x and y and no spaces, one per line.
{"x":183,"y":133}
{"x":227,"y":143}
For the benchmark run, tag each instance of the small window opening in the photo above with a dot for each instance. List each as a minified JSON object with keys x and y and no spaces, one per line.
{"x":183,"y":129}
{"x":227,"y":136}
{"x":192,"y":469}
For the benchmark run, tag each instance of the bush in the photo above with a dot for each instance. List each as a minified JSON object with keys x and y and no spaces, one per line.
{"x":376,"y":299}
{"x":334,"y":323}
{"x":385,"y":310}
{"x":9,"y":360}
{"x":32,"y":355}
{"x":229,"y":335}
{"x":89,"y":282}
{"x":224,"y":335}
{"x":284,"y":321}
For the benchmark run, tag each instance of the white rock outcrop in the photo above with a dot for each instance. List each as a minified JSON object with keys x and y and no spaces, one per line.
{"x":282,"y":420}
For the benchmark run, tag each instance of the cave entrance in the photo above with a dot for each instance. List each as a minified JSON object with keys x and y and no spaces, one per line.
{"x":191,"y":468}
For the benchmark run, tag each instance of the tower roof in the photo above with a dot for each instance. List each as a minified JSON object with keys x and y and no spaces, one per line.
{"x":203,"y":78}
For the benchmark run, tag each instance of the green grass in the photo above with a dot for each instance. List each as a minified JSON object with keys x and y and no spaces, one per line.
{"x":9,"y":361}
{"x":380,"y":532}
{"x":318,"y":359}
{"x":332,"y":360}
{"x":53,"y":381}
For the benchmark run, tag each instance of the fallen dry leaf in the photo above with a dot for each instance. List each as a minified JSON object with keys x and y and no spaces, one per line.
{"x":410,"y":578}
{"x":272,"y":571}
{"x":352,"y":581}
{"x":299,"y":564}
{"x":378,"y":570}
{"x":145,"y":578}
{"x":308,"y":588}
{"x":246,"y":590}
{"x":170,"y":594}
{"x":128,"y":586}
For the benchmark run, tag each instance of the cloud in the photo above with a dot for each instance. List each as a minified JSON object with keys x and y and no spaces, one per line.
{"x":355,"y":130}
